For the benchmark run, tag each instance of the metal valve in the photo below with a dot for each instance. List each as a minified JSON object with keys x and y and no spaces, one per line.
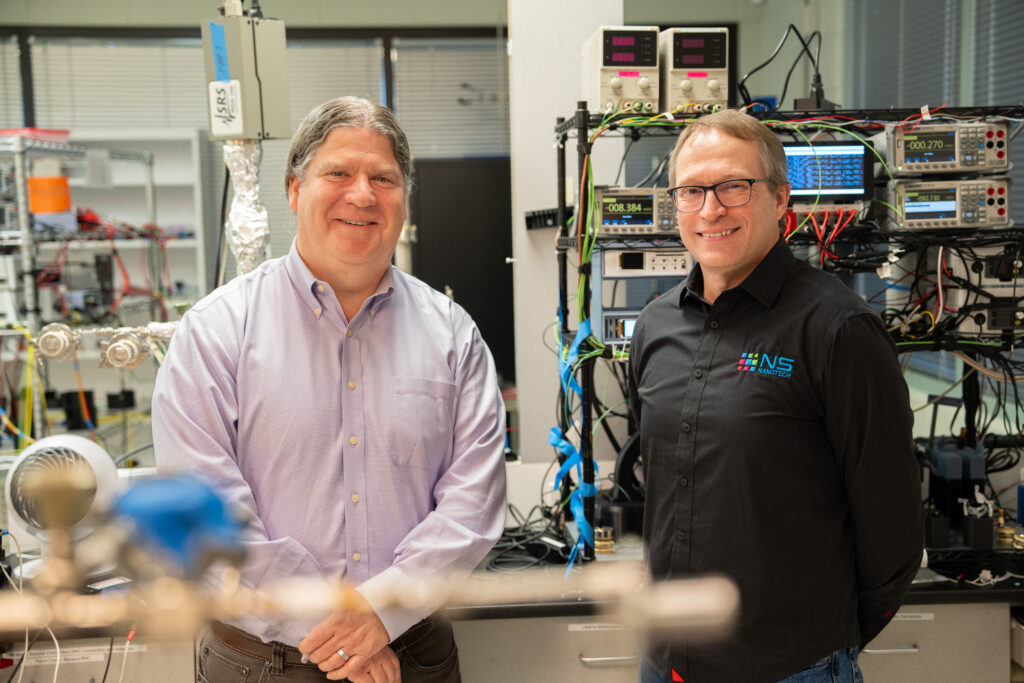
{"x":125,"y":350}
{"x":57,"y":341}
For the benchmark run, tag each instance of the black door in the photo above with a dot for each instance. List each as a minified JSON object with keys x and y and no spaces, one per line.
{"x":462,"y":209}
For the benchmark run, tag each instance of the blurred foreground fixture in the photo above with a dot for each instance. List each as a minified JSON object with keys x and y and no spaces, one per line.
{"x":58,"y":488}
{"x":170,"y":535}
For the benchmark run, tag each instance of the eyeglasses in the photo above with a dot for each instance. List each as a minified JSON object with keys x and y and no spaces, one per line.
{"x":730,"y":194}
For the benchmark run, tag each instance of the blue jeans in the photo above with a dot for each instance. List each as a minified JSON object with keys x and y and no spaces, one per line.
{"x":838,"y":667}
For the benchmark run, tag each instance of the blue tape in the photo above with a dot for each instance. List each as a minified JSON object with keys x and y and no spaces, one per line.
{"x":220,"y":52}
{"x":574,"y":460}
{"x":565,"y":364}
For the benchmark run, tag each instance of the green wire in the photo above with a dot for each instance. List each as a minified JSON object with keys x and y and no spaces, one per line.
{"x":606,"y":413}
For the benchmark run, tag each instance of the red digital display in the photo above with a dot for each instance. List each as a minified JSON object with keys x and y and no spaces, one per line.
{"x":693,"y":42}
{"x":623,"y":41}
{"x":623,"y":57}
{"x":693,"y":59}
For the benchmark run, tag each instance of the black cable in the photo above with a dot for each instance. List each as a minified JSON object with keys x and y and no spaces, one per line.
{"x":25,"y":654}
{"x":657,"y":171}
{"x":110,"y":654}
{"x":217,"y":274}
{"x":510,"y":553}
{"x":804,"y":48}
{"x":785,"y":84}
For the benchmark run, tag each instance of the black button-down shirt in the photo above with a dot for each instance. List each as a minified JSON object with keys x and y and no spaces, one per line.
{"x":776,"y":436}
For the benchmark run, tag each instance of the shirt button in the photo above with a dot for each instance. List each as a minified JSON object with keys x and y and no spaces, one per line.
{"x":353,"y":441}
{"x":714,"y":324}
{"x":320,"y":287}
{"x":698,"y":373}
{"x":349,"y":333}
{"x":356,"y":556}
{"x":317,"y":311}
{"x":351,"y":385}
{"x":355,"y":497}
{"x":684,"y":481}
{"x":681,"y":535}
{"x":686,"y":427}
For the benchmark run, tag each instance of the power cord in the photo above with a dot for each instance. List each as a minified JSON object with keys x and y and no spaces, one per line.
{"x":804,"y":49}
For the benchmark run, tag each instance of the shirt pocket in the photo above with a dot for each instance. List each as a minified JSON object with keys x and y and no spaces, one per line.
{"x":420,"y":418}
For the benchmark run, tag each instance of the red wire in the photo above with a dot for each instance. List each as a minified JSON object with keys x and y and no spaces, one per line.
{"x":790,"y":224}
{"x":819,"y":231}
{"x":839,"y":228}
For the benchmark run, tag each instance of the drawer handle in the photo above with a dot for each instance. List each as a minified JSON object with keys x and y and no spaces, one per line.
{"x":599,"y":661}
{"x":894,"y":651}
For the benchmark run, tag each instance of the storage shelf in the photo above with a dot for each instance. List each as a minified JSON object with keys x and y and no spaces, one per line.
{"x":175,"y":243}
{"x":80,"y":184}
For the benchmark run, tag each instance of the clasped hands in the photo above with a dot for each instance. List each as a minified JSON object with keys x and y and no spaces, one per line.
{"x":360,"y":635}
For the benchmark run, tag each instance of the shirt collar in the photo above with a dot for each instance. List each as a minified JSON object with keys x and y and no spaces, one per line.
{"x":302,"y":278}
{"x":308,"y":285}
{"x":764,"y":283}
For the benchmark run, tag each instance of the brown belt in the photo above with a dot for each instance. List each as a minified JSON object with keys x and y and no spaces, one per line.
{"x":245,"y":643}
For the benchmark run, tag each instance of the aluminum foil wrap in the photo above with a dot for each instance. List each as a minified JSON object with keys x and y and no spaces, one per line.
{"x":247,"y":229}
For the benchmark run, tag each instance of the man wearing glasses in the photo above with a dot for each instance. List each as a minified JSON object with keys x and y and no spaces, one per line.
{"x":775,"y":430}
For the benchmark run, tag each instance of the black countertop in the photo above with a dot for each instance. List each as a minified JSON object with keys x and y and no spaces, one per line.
{"x":934,"y":588}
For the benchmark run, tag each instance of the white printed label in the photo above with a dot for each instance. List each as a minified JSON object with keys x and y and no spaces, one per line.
{"x":225,"y":108}
{"x":914,"y":616}
{"x":75,"y":655}
{"x":596,"y":627}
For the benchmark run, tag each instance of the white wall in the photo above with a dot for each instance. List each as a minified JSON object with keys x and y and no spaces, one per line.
{"x":545,"y":41}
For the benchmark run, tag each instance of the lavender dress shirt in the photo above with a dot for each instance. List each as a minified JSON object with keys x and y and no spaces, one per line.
{"x":369,"y":450}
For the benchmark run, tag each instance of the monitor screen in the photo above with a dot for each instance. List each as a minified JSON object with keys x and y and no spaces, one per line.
{"x":835,"y":170}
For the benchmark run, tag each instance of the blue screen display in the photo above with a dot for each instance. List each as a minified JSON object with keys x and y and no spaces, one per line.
{"x":835,"y":171}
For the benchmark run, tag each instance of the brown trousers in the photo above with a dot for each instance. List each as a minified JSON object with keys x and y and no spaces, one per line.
{"x":426,"y":654}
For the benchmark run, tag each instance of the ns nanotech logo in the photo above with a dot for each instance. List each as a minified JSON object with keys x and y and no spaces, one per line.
{"x":766,"y":364}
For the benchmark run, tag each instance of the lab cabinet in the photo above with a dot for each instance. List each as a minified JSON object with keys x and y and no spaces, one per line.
{"x":947,"y":642}
{"x":85,"y":660}
{"x":922,"y":644}
{"x":587,"y":649}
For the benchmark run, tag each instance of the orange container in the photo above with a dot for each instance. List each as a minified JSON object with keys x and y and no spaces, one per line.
{"x":49,"y":195}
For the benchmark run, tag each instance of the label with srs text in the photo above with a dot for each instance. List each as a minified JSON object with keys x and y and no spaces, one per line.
{"x":226,"y":108}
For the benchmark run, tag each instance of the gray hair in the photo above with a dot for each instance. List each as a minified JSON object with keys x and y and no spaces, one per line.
{"x":346,"y":112}
{"x":739,"y":125}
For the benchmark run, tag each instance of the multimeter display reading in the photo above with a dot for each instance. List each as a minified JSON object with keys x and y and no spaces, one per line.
{"x":937,"y":147}
{"x":632,"y":210}
{"x":932,"y":204}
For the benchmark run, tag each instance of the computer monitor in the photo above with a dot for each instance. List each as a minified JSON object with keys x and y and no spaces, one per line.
{"x":832,"y":171}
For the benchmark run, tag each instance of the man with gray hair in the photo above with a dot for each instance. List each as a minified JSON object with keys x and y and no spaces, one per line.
{"x":351,"y":409}
{"x":775,"y":430}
